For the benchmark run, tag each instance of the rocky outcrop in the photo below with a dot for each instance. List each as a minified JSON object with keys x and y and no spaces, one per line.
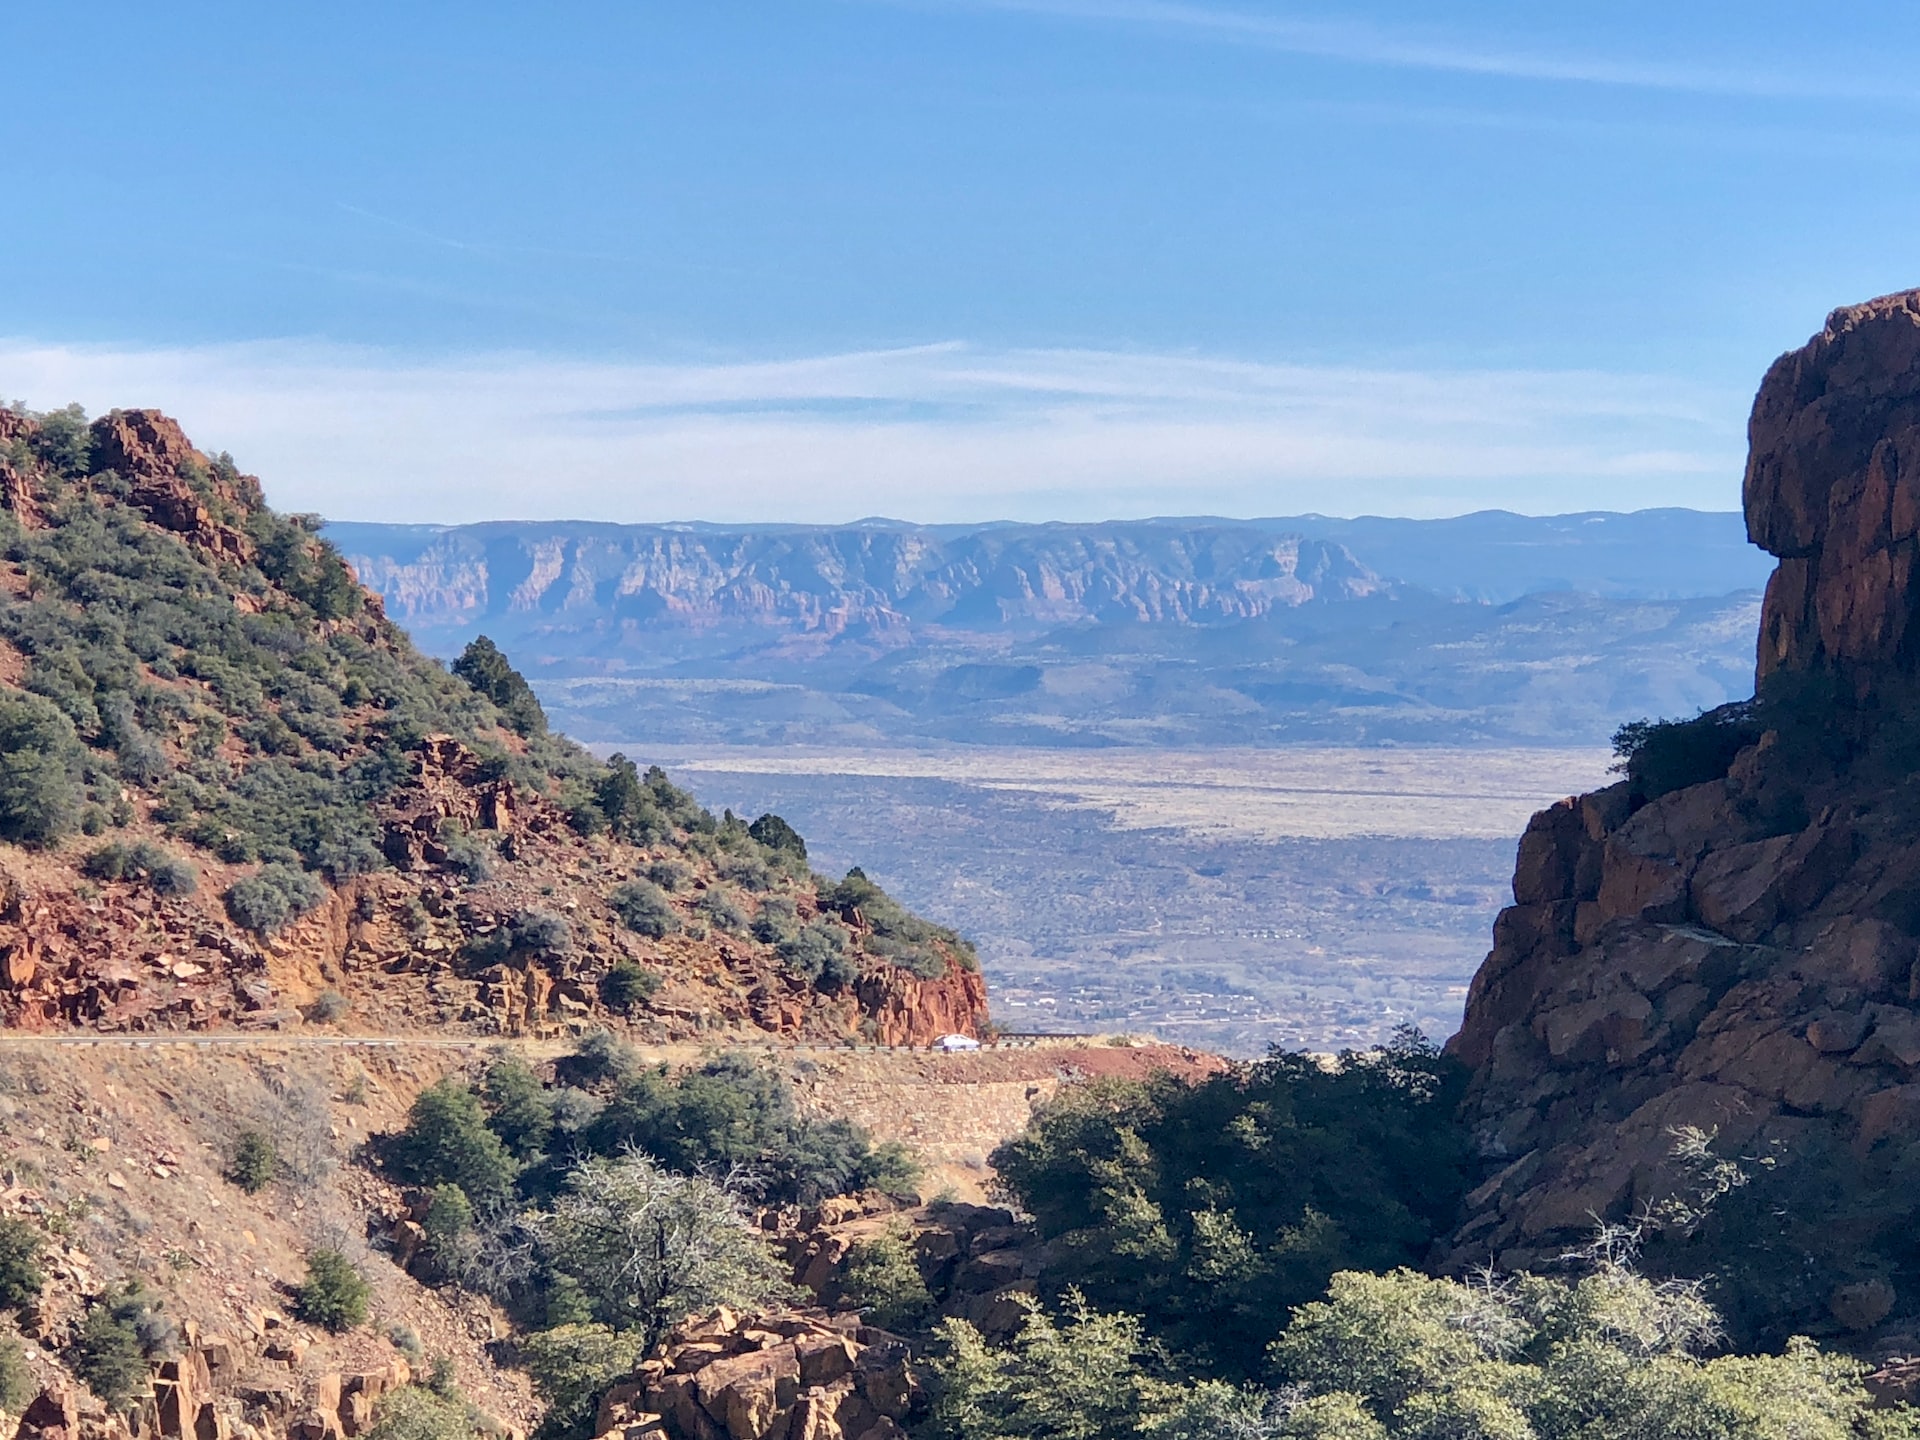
{"x":173,"y":484}
{"x":1833,"y":489}
{"x":1736,"y":955}
{"x":222,"y":1388}
{"x":801,"y":1375}
{"x":978,"y":1262}
{"x":452,"y":793}
{"x":906,"y":1009}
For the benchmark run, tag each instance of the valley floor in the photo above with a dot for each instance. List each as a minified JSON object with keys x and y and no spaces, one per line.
{"x":1228,"y":899}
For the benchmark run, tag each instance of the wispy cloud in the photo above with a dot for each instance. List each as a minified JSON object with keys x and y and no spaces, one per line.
{"x":936,"y":432}
{"x":1363,"y":43}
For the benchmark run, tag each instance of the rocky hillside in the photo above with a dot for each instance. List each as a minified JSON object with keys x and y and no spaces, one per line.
{"x":1702,"y":1014}
{"x":233,"y":793}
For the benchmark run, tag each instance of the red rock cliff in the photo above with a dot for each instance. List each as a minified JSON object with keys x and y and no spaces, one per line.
{"x":1833,"y":489}
{"x":1739,"y":954}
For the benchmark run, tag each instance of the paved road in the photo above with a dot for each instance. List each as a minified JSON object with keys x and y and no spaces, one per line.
{"x":27,"y":1040}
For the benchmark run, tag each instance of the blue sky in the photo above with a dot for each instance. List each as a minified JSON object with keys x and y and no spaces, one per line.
{"x":1040,"y":258}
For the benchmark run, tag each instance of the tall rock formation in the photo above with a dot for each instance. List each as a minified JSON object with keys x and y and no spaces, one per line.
{"x":1833,"y":489}
{"x":1737,"y":955}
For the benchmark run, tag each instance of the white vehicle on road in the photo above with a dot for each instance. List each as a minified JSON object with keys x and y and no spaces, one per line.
{"x":950,"y":1043}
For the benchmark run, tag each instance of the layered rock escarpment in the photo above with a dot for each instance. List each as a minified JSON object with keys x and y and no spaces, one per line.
{"x":1739,"y":954}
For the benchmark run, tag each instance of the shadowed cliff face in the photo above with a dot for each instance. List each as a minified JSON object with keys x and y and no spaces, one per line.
{"x":1738,"y":955}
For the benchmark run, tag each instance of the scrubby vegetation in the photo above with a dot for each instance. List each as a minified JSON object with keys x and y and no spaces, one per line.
{"x":1400,"y":1356}
{"x":483,"y":667}
{"x":1660,"y":756}
{"x":272,"y":898}
{"x":881,"y":1277}
{"x":605,"y":1206}
{"x":40,"y":771}
{"x":164,"y":872}
{"x":418,"y":1412}
{"x":515,"y":1140}
{"x":1244,"y":1251}
{"x":21,"y":1278}
{"x":899,"y":935}
{"x":17,"y":1384}
{"x":644,"y":908}
{"x":1211,"y":1210}
{"x":255,"y":1161}
{"x":627,"y":986}
{"x":123,"y":1331}
{"x":334,"y":1295}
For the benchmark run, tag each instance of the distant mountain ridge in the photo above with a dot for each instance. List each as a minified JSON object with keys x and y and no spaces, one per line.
{"x":881,"y":572}
{"x":1192,"y":631}
{"x":831,"y":579}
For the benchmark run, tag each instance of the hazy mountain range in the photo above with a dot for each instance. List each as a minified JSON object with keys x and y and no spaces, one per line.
{"x":1491,"y":626}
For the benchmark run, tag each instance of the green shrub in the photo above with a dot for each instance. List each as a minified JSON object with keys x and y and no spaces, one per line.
{"x":669,"y":874}
{"x":40,"y":794}
{"x":328,"y":1006}
{"x":107,"y":1357}
{"x":1661,"y":756}
{"x":817,"y":954}
{"x":749,"y":872}
{"x":123,"y":1330}
{"x":255,"y":1161}
{"x":722,"y":910}
{"x":522,"y":1113}
{"x":571,"y":1367}
{"x":415,"y":1412}
{"x":406,"y":1340}
{"x":483,"y":667}
{"x":469,"y":859}
{"x":447,"y":1142}
{"x":17,"y":1385}
{"x":63,"y":442}
{"x":166,"y":873}
{"x":644,"y":908}
{"x":21,"y":1279}
{"x":644,"y":809}
{"x":776,"y":834}
{"x":449,"y":1218}
{"x":733,"y":1113}
{"x":542,"y":934}
{"x":1077,"y":1379}
{"x":880,"y":1277}
{"x":628,"y":986}
{"x":600,"y":1056}
{"x":272,"y":898}
{"x":334,"y":1295}
{"x":777,"y":922}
